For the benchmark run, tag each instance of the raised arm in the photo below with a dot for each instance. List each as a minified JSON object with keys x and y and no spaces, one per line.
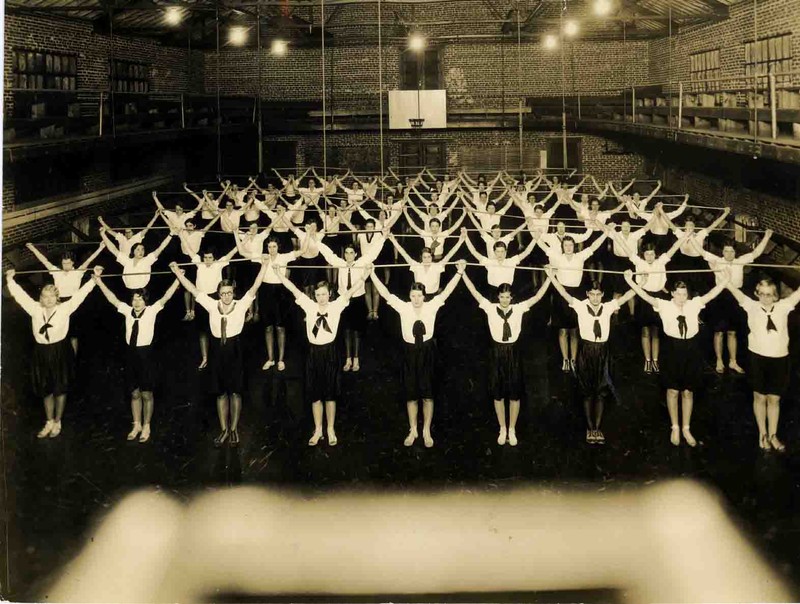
{"x":449,"y":255}
{"x":329,"y":255}
{"x":474,"y":291}
{"x":744,"y":300}
{"x":162,"y":301}
{"x":259,"y":278}
{"x":649,"y":197}
{"x":714,"y":291}
{"x":596,"y":244}
{"x":149,"y":225}
{"x":527,"y":251}
{"x":471,"y":247}
{"x":181,"y":277}
{"x":680,"y":209}
{"x":412,"y":224}
{"x":41,"y":257}
{"x":163,"y":245}
{"x":104,"y":224}
{"x":652,"y":301}
{"x":531,"y":302}
{"x":109,"y":244}
{"x":720,"y":219}
{"x":675,"y":246}
{"x":298,"y":295}
{"x":406,"y":256}
{"x":630,"y":184}
{"x":358,"y":283}
{"x":227,"y":257}
{"x":451,"y":286}
{"x":455,"y":226}
{"x":559,"y":288}
{"x":211,"y":223}
{"x":97,"y":276}
{"x":91,"y":258}
{"x":763,"y":245}
{"x":382,"y":289}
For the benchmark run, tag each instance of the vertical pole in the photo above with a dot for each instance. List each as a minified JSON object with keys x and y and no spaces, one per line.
{"x":113,"y":68}
{"x":380,"y":86}
{"x":258,"y":93}
{"x":324,"y":105}
{"x":219,"y":104}
{"x":183,"y":110}
{"x":773,"y":105}
{"x":680,"y":104}
{"x":633,"y":104}
{"x":563,"y":90}
{"x":669,"y":87}
{"x":519,"y":89}
{"x":100,"y":125}
{"x":755,"y":71}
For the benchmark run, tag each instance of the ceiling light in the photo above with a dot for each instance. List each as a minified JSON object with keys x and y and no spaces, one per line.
{"x":550,"y":41}
{"x":237,"y":36}
{"x":279,"y":47}
{"x":602,"y":7}
{"x":570,"y":28}
{"x":416,"y":42}
{"x":173,"y":15}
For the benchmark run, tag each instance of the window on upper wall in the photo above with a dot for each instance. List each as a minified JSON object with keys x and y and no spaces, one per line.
{"x":128,"y":76}
{"x":770,"y":55}
{"x":45,"y":70}
{"x":704,"y":66}
{"x":420,"y":70}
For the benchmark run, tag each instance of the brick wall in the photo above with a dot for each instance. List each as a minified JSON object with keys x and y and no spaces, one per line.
{"x":474,"y":74}
{"x":774,"y":17}
{"x":594,"y":158}
{"x":173,"y":69}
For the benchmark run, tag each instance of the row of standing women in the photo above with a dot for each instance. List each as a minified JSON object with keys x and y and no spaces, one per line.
{"x":360,"y":289}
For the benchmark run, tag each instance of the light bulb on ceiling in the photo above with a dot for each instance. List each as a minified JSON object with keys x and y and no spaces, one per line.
{"x":416,"y":42}
{"x":279,"y":47}
{"x":237,"y":36}
{"x":173,"y":15}
{"x":571,"y":28}
{"x":550,"y":41}
{"x":602,"y":7}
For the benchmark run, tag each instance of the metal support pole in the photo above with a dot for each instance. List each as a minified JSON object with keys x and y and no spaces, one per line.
{"x":680,"y":105}
{"x":380,"y":86}
{"x":183,"y":110}
{"x":219,"y":104}
{"x":563,"y":94}
{"x":100,"y":117}
{"x":258,"y":93}
{"x":324,"y":105}
{"x":633,"y":104}
{"x":519,"y":90}
{"x":773,"y":106}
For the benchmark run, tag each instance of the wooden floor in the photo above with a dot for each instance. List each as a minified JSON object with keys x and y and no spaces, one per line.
{"x":56,"y":487}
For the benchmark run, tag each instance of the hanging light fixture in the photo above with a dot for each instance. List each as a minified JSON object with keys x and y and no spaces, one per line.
{"x":237,"y":36}
{"x":571,"y":28}
{"x":279,"y":47}
{"x":602,"y":7}
{"x":173,"y":15}
{"x":416,"y":42}
{"x":550,"y":41}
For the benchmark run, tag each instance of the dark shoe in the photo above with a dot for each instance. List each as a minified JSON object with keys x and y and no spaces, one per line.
{"x":654,"y":366}
{"x":220,"y":440}
{"x":234,"y":438}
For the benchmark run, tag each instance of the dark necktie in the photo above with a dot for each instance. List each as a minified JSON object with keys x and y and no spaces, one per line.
{"x":43,"y":330}
{"x":506,"y":326}
{"x":682,"y":328}
{"x":322,"y":323}
{"x":434,"y":245}
{"x":223,"y":329}
{"x":770,"y":324}
{"x":349,"y":279}
{"x":418,"y":330}
{"x":135,"y":329}
{"x":369,"y":237}
{"x":596,"y":329}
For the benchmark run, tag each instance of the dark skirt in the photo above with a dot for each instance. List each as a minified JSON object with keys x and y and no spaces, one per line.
{"x":354,"y":316}
{"x":227,"y":374}
{"x":769,"y":375}
{"x":322,"y":373}
{"x":562,"y":316}
{"x":681,"y":364}
{"x":53,"y":368}
{"x":593,"y":369}
{"x":140,"y":368}
{"x":617,"y":282}
{"x":646,"y":315}
{"x":419,"y":367}
{"x":505,"y":372}
{"x":271,"y":302}
{"x":310,"y":276}
{"x":386,"y":255}
{"x":725,"y":314}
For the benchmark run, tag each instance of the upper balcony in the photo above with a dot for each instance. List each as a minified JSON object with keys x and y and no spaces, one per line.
{"x":755,"y":115}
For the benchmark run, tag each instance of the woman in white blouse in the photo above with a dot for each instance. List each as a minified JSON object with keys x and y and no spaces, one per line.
{"x":136,"y":269}
{"x":52,"y":365}
{"x":682,"y":371}
{"x":427,"y":271}
{"x":226,"y":318}
{"x":68,"y":280}
{"x":768,"y":342}
{"x":417,"y":321}
{"x":322,"y":374}
{"x":141,"y":367}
